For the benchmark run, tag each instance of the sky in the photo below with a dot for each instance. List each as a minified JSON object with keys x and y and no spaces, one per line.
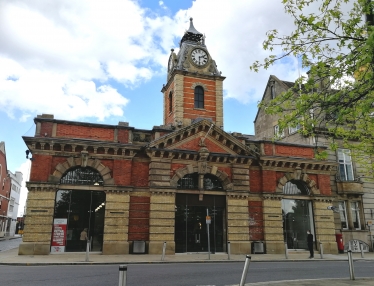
{"x":105,"y":61}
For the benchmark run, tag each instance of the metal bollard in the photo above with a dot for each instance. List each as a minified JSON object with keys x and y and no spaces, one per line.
{"x":163,"y":251}
{"x":321,"y":249}
{"x":286,"y":250}
{"x":245,"y":270}
{"x":350,"y":263}
{"x":228,"y":250}
{"x":122,"y":275}
{"x":88,"y":251}
{"x":362,"y":250}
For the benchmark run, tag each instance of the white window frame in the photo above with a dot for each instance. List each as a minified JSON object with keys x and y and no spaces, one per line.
{"x":355,"y":211}
{"x":345,"y":160}
{"x":292,"y":130}
{"x":277,"y":133}
{"x":343,"y":214}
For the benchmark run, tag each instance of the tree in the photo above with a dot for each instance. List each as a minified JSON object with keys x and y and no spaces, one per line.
{"x":335,"y":100}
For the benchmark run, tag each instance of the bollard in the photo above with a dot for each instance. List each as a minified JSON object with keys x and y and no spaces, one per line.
{"x":286,"y":250}
{"x":122,"y":275}
{"x":321,"y":249}
{"x":228,"y":250}
{"x":163,"y":251}
{"x":88,"y":251}
{"x":350,"y":263}
{"x":245,"y":270}
{"x":362,"y":250}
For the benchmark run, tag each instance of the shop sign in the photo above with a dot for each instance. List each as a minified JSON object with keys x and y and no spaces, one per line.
{"x":59,"y":235}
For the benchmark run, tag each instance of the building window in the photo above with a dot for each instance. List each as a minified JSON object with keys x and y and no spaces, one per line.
{"x":343,"y":215}
{"x":345,"y":165}
{"x":272,"y":91}
{"x":199,"y":97}
{"x":355,"y":215}
{"x":277,"y":133}
{"x":191,"y":182}
{"x":292,"y":130}
{"x":82,"y":176}
{"x":170,"y":102}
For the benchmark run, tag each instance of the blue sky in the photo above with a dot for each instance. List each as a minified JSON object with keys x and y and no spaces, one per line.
{"x":105,"y":61}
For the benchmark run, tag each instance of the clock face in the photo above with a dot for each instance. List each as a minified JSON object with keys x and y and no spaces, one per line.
{"x":199,"y":57}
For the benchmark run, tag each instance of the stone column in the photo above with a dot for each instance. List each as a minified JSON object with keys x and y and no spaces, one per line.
{"x":161,"y":223}
{"x":324,"y":226}
{"x":273,"y":225}
{"x":238,"y":225}
{"x":38,"y":222}
{"x":116,"y":223}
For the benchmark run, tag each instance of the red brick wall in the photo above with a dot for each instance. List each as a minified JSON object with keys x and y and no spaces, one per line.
{"x":268,"y":149}
{"x":4,"y":184}
{"x":40,"y":168}
{"x":174,"y":167}
{"x":194,"y":145}
{"x":255,"y":181}
{"x":46,"y":127}
{"x":123,"y":136}
{"x":256,"y":220}
{"x":122,"y":172}
{"x":140,"y":174}
{"x":294,"y":151}
{"x":324,"y":185}
{"x":269,"y":181}
{"x":209,"y":110}
{"x":139,"y":218}
{"x":88,"y":132}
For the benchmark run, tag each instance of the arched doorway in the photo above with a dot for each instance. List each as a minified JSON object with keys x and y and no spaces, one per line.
{"x":297,"y":214}
{"x":81,"y":208}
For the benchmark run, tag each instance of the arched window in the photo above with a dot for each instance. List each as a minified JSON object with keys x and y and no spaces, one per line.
{"x":82,"y":176}
{"x":191,"y":182}
{"x":170,"y":102}
{"x":296,"y":187}
{"x":199,"y":97}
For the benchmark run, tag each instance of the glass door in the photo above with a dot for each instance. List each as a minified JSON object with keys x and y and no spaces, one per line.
{"x":297,"y":220}
{"x":190,"y":224}
{"x":82,"y":210}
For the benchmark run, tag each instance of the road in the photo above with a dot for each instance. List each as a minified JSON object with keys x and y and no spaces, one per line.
{"x":218,"y":274}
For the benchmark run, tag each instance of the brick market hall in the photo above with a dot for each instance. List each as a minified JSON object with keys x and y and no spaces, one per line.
{"x":134,"y":189}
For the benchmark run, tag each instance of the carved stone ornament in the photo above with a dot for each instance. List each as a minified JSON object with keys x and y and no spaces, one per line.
{"x":203,"y":164}
{"x":84,"y":158}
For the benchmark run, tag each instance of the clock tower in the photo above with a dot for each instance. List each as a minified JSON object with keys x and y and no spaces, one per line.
{"x":194,"y":85}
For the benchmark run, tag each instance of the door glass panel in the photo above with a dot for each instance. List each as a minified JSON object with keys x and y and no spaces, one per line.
{"x":190,"y":224}
{"x":297,"y":220}
{"x":82,"y":209}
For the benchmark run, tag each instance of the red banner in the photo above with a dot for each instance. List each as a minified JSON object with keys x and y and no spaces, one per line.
{"x":59,"y":235}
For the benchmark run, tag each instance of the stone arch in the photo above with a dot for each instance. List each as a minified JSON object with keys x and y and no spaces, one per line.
{"x":180,"y":173}
{"x":71,"y":162}
{"x":195,"y":84}
{"x":298,"y":175}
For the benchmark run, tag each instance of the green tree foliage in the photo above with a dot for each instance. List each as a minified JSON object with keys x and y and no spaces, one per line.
{"x":335,"y":100}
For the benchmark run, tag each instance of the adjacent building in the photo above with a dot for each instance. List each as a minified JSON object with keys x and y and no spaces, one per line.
{"x":134,"y":189}
{"x":15,"y":191}
{"x":353,"y":195}
{"x":4,"y":191}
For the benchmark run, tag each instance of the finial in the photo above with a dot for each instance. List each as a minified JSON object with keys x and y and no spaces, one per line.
{"x":191,"y":19}
{"x":172,"y":50}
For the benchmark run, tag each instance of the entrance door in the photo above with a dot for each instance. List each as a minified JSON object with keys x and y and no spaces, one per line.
{"x":297,"y":220}
{"x":82,"y":209}
{"x":190,"y":223}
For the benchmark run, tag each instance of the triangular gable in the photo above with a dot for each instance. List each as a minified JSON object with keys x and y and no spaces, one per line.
{"x":201,"y":133}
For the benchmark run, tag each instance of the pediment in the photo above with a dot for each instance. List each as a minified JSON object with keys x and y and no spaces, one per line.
{"x":201,"y":134}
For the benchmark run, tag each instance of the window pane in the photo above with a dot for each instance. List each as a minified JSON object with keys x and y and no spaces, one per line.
{"x":355,"y":215}
{"x":343,"y":216}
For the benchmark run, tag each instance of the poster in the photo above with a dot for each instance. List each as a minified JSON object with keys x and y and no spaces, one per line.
{"x":59,"y":235}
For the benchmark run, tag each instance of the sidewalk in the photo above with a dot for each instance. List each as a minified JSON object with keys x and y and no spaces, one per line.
{"x":11,"y":257}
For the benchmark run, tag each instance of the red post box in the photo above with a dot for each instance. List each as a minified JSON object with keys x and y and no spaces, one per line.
{"x":339,"y":241}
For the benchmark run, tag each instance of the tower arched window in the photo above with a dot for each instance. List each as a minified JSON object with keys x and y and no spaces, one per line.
{"x":199,"y":97}
{"x":170,"y":102}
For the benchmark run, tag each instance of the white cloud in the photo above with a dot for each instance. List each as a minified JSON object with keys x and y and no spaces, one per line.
{"x":71,"y":52}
